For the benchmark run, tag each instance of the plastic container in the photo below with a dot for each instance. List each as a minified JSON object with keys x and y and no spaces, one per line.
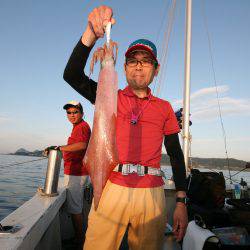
{"x":237,"y":191}
{"x":233,"y":236}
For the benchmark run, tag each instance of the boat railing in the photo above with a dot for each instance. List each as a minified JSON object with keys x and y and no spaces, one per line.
{"x":36,"y":224}
{"x":37,"y":221}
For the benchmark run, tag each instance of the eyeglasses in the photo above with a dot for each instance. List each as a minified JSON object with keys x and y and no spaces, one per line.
{"x":132,"y":62}
{"x":73,"y":112}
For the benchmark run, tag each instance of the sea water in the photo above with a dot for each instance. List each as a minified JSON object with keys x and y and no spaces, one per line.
{"x":18,"y":183}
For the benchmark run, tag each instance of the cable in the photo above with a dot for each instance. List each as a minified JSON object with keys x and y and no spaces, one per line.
{"x":216,"y":87}
{"x":164,"y":49}
{"x":164,"y":58}
{"x":20,"y":163}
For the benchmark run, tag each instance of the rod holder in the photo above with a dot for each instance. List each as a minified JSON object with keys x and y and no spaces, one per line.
{"x":52,"y":174}
{"x":10,"y":229}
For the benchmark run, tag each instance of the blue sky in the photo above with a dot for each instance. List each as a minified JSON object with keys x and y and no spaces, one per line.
{"x":37,"y":38}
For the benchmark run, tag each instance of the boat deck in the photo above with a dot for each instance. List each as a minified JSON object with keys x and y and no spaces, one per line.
{"x":45,"y":224}
{"x":169,"y":244}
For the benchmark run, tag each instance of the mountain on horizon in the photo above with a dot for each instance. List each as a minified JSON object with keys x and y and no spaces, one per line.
{"x":213,"y":163}
{"x":23,"y":151}
{"x":197,"y":162}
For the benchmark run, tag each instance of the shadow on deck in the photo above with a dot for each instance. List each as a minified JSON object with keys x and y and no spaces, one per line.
{"x":169,"y":244}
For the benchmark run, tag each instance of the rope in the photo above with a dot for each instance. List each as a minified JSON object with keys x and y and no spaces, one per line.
{"x":190,"y":153}
{"x":216,"y":87}
{"x":189,"y":137}
{"x":164,"y":53}
{"x":162,"y":21}
{"x":20,"y":163}
{"x":164,"y":50}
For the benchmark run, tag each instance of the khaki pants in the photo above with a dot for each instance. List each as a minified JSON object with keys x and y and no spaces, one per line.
{"x":143,"y":209}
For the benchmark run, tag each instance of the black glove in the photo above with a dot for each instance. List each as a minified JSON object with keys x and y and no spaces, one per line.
{"x":46,"y":150}
{"x":179,"y":114}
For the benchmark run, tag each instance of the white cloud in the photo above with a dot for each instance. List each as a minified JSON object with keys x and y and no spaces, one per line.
{"x":201,"y":93}
{"x":208,"y":91}
{"x":204,"y":104}
{"x":208,"y":109}
{"x":4,"y":119}
{"x":204,"y":108}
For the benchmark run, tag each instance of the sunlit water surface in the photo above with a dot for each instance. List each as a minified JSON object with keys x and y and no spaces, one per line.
{"x":18,"y":183}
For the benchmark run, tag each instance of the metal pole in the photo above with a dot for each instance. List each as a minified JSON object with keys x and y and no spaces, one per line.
{"x":52,"y":175}
{"x":186,"y":99}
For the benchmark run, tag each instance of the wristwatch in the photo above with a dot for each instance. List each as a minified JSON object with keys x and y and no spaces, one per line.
{"x":182,"y":199}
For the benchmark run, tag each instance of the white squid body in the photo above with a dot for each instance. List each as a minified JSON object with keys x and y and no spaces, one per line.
{"x":101,"y":156}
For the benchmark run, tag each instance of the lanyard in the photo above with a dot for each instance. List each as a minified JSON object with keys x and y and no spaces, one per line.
{"x":134,"y":117}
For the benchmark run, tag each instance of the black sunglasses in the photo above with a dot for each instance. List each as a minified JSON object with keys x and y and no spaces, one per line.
{"x":73,"y":112}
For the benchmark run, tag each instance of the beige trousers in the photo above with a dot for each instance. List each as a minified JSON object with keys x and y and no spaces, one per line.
{"x":142,"y":209}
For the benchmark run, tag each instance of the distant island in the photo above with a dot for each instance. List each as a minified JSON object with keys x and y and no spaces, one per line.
{"x":23,"y":151}
{"x":213,"y":163}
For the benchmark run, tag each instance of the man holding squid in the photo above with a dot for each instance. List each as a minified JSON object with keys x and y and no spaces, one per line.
{"x":133,"y":197}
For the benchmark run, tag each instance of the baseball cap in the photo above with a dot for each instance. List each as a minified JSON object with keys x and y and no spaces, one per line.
{"x":143,"y":44}
{"x":74,"y":104}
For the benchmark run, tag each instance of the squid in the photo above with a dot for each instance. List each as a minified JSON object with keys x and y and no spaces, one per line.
{"x":101,"y":156}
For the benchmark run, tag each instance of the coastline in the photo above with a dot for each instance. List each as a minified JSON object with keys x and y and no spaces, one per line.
{"x":196,"y":162}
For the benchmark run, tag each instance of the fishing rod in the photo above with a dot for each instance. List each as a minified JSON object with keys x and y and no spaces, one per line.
{"x":20,"y":163}
{"x":246,"y":167}
{"x":224,"y":134}
{"x":228,"y":178}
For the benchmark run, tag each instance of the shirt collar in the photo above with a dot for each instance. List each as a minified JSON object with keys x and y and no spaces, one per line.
{"x":129,"y":92}
{"x":74,"y":125}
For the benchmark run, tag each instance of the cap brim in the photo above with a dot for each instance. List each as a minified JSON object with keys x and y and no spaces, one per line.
{"x":140,"y":47}
{"x":67,"y":106}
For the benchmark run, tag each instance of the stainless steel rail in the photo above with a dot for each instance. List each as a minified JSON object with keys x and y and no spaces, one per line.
{"x":52,"y":174}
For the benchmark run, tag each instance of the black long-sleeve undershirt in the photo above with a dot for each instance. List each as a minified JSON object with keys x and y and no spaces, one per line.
{"x":174,"y":151}
{"x":74,"y":75}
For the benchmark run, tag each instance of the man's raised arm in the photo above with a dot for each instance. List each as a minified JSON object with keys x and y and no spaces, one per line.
{"x":74,"y":72}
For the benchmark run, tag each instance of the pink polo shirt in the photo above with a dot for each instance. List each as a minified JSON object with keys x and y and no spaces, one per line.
{"x":141,"y":143}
